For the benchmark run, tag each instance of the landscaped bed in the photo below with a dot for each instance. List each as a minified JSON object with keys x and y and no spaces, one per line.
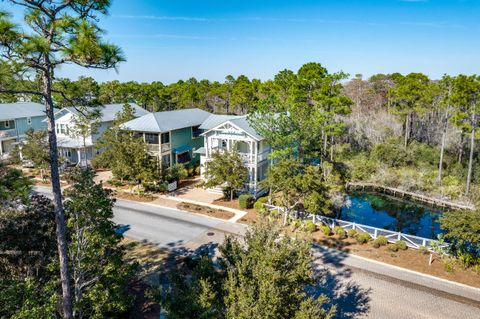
{"x":205,"y":210}
{"x":410,"y":259}
{"x":134,"y":197}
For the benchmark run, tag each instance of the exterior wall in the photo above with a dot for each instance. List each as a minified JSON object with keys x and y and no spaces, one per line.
{"x":254,"y":153}
{"x":183,"y":137}
{"x":37,"y":124}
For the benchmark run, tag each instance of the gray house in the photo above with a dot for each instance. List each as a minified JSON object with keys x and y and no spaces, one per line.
{"x":16,"y":119}
{"x":78,"y":149}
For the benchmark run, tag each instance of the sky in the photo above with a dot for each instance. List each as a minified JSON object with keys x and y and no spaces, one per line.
{"x":171,"y":40}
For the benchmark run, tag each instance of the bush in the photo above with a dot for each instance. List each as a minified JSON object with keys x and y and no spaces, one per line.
{"x":259,"y":204}
{"x":338,"y":230}
{"x":380,"y":241}
{"x":153,"y":187}
{"x":449,"y":264}
{"x":363,"y":238}
{"x":245,"y":201}
{"x":310,"y":226}
{"x":115,"y":182}
{"x":325,"y":229}
{"x":296,"y":223}
{"x":392,"y":247}
{"x":424,"y":250}
{"x":401,"y":245}
{"x":352,"y":233}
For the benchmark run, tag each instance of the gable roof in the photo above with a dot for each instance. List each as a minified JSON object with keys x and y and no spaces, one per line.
{"x":167,"y":121}
{"x":239,"y":121}
{"x":108,"y":111}
{"x":20,"y":110}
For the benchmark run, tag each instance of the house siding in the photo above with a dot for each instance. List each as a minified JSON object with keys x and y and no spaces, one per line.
{"x":183,"y":137}
{"x":37,"y":124}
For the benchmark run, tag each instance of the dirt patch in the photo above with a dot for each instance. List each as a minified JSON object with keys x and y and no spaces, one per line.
{"x":205,"y":210}
{"x":133,"y":197}
{"x":410,"y":259}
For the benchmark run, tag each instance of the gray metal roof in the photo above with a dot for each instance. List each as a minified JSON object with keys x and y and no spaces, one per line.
{"x":215,"y":120}
{"x":21,"y":110}
{"x":109,"y":111}
{"x":167,"y":121}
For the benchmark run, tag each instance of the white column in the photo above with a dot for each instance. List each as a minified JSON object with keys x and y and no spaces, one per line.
{"x":1,"y":148}
{"x":79,"y":155}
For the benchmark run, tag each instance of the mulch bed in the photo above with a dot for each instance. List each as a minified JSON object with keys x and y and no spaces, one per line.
{"x":134,"y":197}
{"x":205,"y":210}
{"x":410,"y":259}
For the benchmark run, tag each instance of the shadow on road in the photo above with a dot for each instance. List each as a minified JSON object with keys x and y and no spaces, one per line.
{"x":335,"y":282}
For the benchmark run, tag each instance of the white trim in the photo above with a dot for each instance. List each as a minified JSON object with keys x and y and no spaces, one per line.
{"x":216,"y":128}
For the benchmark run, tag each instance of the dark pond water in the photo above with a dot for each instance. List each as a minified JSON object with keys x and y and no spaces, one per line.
{"x":393,"y":214}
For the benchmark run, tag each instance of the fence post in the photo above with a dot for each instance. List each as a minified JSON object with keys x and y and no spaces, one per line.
{"x":375,"y":233}
{"x":424,"y":243}
{"x":313,"y":218}
{"x":399,"y":236}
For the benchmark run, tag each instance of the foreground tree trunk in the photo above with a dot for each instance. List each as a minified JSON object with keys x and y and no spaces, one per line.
{"x":57,"y":199}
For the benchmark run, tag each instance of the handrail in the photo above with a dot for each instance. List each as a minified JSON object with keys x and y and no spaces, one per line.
{"x":392,"y":236}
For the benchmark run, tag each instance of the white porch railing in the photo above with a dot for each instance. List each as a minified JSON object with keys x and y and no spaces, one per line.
{"x":412,"y":241}
{"x":8,"y":133}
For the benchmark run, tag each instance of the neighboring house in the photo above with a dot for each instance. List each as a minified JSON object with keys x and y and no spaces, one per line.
{"x":172,"y":136}
{"x":16,"y":119}
{"x":228,"y":133}
{"x":79,"y":150}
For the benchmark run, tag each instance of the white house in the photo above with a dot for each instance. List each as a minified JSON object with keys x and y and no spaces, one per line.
{"x":229,"y":132}
{"x":77,"y":149}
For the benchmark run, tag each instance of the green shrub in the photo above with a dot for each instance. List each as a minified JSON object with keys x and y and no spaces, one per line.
{"x":380,"y":241}
{"x":363,"y":238}
{"x":325,"y":229}
{"x":296,"y":223}
{"x":352,"y":233}
{"x":424,"y":250}
{"x":338,"y":230}
{"x":401,"y":245}
{"x":392,"y":247}
{"x":115,"y":182}
{"x":310,"y":226}
{"x":155,"y":188}
{"x":449,"y":264}
{"x":258,"y":206}
{"x":245,"y":201}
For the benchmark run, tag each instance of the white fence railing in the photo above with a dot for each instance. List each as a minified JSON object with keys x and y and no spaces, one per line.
{"x":392,"y":236}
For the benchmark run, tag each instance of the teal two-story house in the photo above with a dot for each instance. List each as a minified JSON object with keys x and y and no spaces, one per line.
{"x":16,"y":119}
{"x":172,"y":136}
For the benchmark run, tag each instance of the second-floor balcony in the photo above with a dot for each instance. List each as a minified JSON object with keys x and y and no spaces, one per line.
{"x":155,"y":148}
{"x":8,"y":133}
{"x":248,"y":159}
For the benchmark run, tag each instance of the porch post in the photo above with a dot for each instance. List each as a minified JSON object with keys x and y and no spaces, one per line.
{"x":79,"y":155}
{"x":1,"y":147}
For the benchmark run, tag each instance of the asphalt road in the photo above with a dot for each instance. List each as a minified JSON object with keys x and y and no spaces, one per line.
{"x":360,"y":288}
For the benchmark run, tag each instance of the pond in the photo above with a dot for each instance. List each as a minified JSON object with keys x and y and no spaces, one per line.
{"x":390,"y":213}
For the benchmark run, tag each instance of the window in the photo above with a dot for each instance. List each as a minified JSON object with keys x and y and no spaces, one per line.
{"x":166,"y":160}
{"x":151,"y":138}
{"x":196,"y":131}
{"x":165,"y":138}
{"x":7,"y":124}
{"x":183,"y":157}
{"x":62,"y":128}
{"x":58,"y":128}
{"x":29,"y":120}
{"x":224,"y":143}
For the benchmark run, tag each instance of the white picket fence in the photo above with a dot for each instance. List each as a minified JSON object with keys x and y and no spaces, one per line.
{"x":392,"y":236}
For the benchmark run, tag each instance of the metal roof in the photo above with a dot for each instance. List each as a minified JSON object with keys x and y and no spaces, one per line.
{"x":21,"y":110}
{"x":109,"y":111}
{"x":241,"y":122}
{"x":167,"y":121}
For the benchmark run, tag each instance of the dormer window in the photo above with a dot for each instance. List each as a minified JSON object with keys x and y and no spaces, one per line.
{"x":196,"y":131}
